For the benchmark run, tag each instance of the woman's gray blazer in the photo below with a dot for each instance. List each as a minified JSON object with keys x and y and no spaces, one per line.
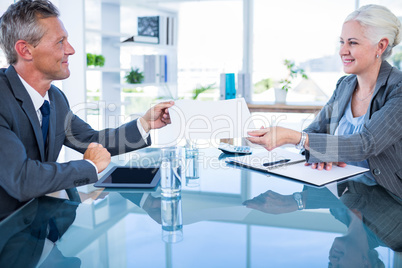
{"x":380,"y":141}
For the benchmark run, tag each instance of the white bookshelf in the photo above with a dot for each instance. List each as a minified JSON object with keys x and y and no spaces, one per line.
{"x":110,"y":78}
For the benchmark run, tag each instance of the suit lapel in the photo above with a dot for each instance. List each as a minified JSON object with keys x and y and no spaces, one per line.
{"x":52,"y":129}
{"x":22,"y":95}
{"x":377,"y":99}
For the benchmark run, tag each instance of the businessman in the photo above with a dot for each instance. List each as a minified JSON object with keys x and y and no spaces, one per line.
{"x":35,"y":117}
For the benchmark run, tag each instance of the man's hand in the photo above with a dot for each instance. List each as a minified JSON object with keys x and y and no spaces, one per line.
{"x":157,"y":116}
{"x":98,"y":155}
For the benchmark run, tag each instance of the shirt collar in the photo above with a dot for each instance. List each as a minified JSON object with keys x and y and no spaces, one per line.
{"x":36,"y":98}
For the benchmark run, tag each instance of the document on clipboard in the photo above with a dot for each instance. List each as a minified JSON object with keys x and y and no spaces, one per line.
{"x":291,"y":165}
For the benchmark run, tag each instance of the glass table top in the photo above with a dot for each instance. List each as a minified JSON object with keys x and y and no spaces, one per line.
{"x":228,"y":217}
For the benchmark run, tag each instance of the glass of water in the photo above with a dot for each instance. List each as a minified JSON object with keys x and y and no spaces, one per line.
{"x":192,"y":166}
{"x":172,"y":219}
{"x":171,"y":171}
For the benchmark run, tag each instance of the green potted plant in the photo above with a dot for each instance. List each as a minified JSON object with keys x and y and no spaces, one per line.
{"x":283,"y":85}
{"x":263,"y":85}
{"x":200,"y":89}
{"x":95,"y":60}
{"x":134,"y":76}
{"x":99,"y":60}
{"x":90,"y":59}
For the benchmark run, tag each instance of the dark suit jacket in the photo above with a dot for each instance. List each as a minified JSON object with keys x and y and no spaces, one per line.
{"x":23,"y":234}
{"x":380,"y":141}
{"x":26,"y":170}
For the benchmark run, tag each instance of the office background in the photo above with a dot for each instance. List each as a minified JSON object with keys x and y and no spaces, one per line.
{"x":213,"y":37}
{"x":210,"y":38}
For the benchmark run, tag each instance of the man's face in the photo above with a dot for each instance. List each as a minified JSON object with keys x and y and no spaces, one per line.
{"x":50,"y":56}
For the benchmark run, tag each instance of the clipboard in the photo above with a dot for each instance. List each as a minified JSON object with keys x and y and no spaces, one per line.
{"x":294,"y":168}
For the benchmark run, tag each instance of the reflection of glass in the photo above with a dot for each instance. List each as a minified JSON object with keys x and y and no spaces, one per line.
{"x":172,"y":219}
{"x":171,"y":168}
{"x":192,"y":167}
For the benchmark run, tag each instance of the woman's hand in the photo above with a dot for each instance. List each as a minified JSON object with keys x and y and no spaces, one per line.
{"x":273,"y":137}
{"x":325,"y":165}
{"x":272,"y":203}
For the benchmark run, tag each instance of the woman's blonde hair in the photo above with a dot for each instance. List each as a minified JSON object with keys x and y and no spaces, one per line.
{"x":379,"y":22}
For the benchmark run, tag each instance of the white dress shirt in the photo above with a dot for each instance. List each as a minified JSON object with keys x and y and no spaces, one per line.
{"x":36,"y":98}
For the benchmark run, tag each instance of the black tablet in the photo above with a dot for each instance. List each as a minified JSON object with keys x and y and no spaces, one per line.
{"x":130,"y":177}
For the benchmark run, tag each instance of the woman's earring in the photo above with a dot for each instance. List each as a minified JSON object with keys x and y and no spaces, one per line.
{"x":377,"y":56}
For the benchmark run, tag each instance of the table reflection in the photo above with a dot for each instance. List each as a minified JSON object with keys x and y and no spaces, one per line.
{"x":28,"y":236}
{"x":372,"y":216}
{"x":223,"y":222}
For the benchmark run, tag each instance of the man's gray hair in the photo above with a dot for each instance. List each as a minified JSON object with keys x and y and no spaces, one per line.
{"x":379,"y":22}
{"x":21,"y":22}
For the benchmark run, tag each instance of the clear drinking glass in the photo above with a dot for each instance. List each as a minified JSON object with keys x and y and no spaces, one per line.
{"x":171,"y":171}
{"x":172,"y":219}
{"x":192,"y":166}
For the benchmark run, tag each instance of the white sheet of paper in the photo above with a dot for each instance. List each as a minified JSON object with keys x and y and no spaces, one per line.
{"x":194,"y":119}
{"x":318,"y":177}
{"x":297,"y":170}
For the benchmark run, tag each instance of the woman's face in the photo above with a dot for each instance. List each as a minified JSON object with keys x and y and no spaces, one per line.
{"x":358,"y":54}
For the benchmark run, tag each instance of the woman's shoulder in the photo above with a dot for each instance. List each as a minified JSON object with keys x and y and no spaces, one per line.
{"x":345,"y":83}
{"x":395,"y":76}
{"x":346,"y":79}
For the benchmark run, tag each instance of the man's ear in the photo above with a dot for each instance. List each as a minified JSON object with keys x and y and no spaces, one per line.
{"x":23,"y":49}
{"x":382,"y":45}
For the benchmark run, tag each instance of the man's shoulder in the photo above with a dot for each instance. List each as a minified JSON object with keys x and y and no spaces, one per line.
{"x":7,"y":77}
{"x":4,"y":83}
{"x":3,"y":74}
{"x":56,"y":94}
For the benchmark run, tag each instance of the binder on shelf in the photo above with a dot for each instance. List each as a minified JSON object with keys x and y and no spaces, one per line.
{"x":163,"y":68}
{"x":222,"y":87}
{"x":150,"y":69}
{"x":142,"y":39}
{"x":155,"y":69}
{"x":244,"y":86}
{"x":170,"y":31}
{"x":162,"y":30}
{"x":227,"y":86}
